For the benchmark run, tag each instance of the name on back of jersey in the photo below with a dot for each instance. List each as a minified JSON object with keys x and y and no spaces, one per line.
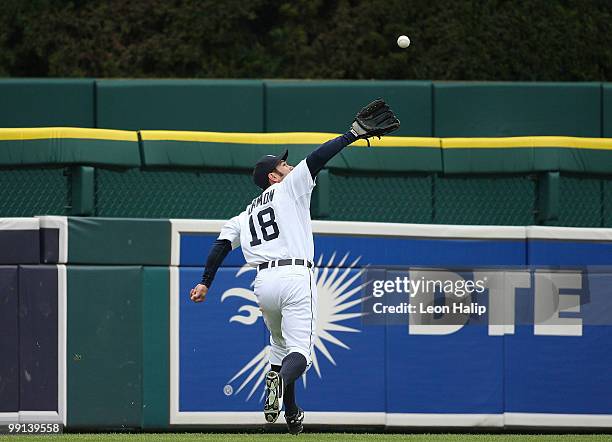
{"x":262,"y":199}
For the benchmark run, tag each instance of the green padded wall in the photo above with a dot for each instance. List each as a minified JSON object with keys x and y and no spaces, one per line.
{"x":526,"y":154}
{"x":192,"y":105}
{"x":46,"y":102}
{"x":382,"y":198}
{"x":191,"y":154}
{"x":33,"y":191}
{"x":104,"y":346}
{"x":61,"y":151}
{"x":607,"y":110}
{"x":484,"y":200}
{"x":156,"y":347}
{"x":172,"y":193}
{"x":580,"y":201}
{"x":166,"y":149}
{"x":118,"y":241}
{"x":388,"y":159}
{"x":330,"y":106}
{"x":516,"y":109}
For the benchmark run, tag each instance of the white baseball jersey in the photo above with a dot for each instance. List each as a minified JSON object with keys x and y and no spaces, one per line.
{"x":276,"y":224}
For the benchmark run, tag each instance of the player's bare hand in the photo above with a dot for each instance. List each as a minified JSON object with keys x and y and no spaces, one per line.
{"x":198,"y":293}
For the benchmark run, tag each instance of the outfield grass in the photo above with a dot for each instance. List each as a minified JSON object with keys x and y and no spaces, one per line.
{"x":311,"y":437}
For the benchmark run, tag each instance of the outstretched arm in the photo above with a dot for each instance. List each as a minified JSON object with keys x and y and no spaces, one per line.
{"x":322,"y":154}
{"x":374,"y":120}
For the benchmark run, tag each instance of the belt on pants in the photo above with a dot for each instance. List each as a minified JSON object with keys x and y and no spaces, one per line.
{"x":284,"y":262}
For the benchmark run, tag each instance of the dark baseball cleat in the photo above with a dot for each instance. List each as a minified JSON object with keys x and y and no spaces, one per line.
{"x":294,"y":422}
{"x":274,"y":396}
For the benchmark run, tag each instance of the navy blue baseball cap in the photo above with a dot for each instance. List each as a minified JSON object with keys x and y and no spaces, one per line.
{"x":264,"y":166}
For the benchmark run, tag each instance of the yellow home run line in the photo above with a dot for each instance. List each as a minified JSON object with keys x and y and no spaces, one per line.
{"x":527,"y":142}
{"x":287,"y":138}
{"x":314,"y":138}
{"x":42,"y":133}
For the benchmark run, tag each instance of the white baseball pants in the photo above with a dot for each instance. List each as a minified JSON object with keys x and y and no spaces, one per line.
{"x":287,"y":296}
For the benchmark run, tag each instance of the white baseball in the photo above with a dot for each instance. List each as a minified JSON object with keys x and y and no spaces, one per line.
{"x":403,"y":41}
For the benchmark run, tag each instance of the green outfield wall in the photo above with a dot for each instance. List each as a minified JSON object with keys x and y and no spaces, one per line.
{"x":118,"y":344}
{"x":477,"y":153}
{"x":104,"y":346}
{"x":176,"y":174}
{"x":203,"y":105}
{"x":307,"y":106}
{"x":47,"y":102}
{"x":425,"y":108}
{"x":517,"y":109}
{"x":156,"y":346}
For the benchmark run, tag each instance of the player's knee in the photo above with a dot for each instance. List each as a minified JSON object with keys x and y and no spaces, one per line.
{"x":296,"y":360}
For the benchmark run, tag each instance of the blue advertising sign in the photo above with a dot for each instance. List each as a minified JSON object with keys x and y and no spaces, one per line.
{"x":495,"y":367}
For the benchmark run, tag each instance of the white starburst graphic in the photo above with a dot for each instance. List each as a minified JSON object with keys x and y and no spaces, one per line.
{"x":337,"y":292}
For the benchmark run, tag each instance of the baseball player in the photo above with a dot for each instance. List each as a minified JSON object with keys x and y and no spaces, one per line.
{"x":275,"y":234}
